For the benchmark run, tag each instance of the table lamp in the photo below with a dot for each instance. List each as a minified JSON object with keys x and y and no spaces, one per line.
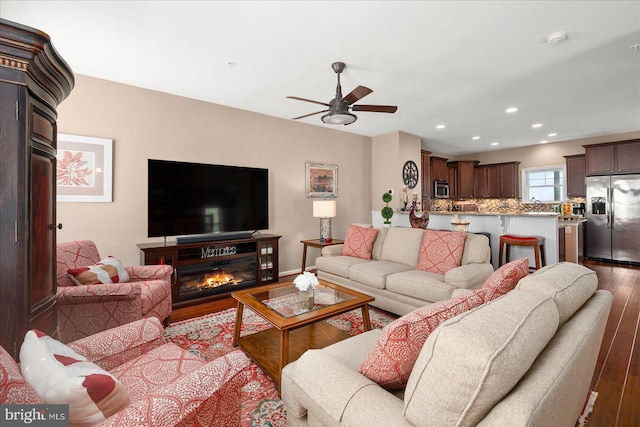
{"x":325,"y":210}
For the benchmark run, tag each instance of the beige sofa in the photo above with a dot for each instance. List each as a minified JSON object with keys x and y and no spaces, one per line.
{"x":391,"y":275}
{"x":525,"y":359}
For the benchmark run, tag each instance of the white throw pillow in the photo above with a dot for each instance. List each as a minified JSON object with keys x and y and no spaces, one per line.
{"x":61,"y":376}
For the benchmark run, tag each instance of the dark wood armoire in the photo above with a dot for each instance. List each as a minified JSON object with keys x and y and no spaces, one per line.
{"x":34,"y":79}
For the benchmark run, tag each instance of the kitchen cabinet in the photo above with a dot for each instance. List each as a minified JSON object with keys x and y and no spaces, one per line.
{"x":438,"y":169}
{"x":613,"y":158}
{"x":464,"y":175}
{"x":427,"y":185}
{"x":486,"y":182}
{"x":496,"y":181}
{"x":480,"y":182}
{"x":628,"y":157}
{"x":509,"y":180}
{"x":452,"y":178}
{"x":599,"y":159}
{"x":576,"y":175}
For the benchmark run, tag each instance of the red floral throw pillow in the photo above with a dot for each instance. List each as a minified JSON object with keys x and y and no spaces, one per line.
{"x":441,"y":250}
{"x":359,"y":241}
{"x":505,"y":278}
{"x":61,"y":376}
{"x":109,"y":270}
{"x":390,"y":362}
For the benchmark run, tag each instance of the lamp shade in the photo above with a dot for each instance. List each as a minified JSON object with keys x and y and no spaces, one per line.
{"x":324,"y":208}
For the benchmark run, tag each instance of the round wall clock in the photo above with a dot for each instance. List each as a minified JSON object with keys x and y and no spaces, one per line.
{"x":410,"y":174}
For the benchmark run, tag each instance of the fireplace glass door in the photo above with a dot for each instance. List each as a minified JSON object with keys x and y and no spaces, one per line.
{"x":216,"y":277}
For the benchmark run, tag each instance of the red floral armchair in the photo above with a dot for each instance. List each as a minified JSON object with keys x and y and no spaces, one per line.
{"x":167,"y":385}
{"x":87,"y":309}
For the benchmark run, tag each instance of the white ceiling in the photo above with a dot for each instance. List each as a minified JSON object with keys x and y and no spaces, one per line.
{"x":458,"y":63}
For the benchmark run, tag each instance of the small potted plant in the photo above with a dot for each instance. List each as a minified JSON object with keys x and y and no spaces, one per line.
{"x":387,"y":212}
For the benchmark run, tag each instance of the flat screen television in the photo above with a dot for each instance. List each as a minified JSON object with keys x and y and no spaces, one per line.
{"x":187,"y":199}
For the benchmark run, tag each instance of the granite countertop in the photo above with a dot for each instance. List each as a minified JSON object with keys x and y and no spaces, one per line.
{"x":510,"y":213}
{"x":571,"y":219}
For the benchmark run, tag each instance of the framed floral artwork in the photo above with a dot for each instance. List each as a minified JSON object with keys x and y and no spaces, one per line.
{"x":321,"y":180}
{"x":84,"y":170}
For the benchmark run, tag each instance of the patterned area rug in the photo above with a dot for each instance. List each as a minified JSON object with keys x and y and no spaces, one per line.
{"x":211,"y":336}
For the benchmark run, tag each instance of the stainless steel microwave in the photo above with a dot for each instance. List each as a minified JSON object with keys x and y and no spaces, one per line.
{"x":441,"y":189}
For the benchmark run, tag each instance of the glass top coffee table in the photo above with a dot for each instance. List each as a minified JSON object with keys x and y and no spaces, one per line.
{"x":297,"y":322}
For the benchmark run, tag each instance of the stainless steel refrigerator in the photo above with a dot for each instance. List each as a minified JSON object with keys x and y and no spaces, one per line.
{"x":613,"y":218}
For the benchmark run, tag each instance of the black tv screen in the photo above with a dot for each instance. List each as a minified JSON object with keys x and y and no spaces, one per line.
{"x":193,"y":198}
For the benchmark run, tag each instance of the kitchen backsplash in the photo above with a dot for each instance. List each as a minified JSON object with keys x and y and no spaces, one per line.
{"x":494,"y":205}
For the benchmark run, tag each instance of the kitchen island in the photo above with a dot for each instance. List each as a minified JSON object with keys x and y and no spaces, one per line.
{"x":543,"y":224}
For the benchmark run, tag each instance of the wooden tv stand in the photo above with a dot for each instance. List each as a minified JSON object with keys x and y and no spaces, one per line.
{"x":263,"y":249}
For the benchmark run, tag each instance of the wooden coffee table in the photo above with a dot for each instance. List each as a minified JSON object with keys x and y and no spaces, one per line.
{"x":296,"y":328}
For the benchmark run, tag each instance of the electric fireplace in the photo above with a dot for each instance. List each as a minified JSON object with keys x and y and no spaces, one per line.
{"x":216,"y":277}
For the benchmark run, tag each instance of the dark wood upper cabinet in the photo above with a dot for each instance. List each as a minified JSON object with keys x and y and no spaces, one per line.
{"x":497,"y":181}
{"x":599,"y":159}
{"x":452,"y":178}
{"x":464,"y":177}
{"x":487,"y":182}
{"x":628,"y":157}
{"x":576,"y":174}
{"x":33,"y":81}
{"x":481,"y":182}
{"x":439,"y":169}
{"x":509,"y":180}
{"x":425,"y":178}
{"x":613,"y":158}
{"x":493,"y":177}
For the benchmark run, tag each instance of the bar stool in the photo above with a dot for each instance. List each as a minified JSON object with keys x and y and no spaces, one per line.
{"x":536,"y":242}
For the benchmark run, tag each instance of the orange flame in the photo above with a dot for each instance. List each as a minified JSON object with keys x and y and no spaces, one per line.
{"x":214,"y":280}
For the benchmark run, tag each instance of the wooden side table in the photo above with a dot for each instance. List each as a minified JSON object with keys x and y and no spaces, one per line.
{"x":315,"y":243}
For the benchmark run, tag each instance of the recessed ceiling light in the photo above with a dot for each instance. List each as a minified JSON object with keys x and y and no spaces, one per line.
{"x":557,"y":37}
{"x":536,"y":125}
{"x":544,"y":141}
{"x":440,"y":127}
{"x":475,"y":138}
{"x":494,"y":143}
{"x":511,"y":110}
{"x":552,"y":134}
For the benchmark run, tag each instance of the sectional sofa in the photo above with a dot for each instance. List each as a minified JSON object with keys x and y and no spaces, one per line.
{"x":523,"y":359}
{"x":393,"y":270}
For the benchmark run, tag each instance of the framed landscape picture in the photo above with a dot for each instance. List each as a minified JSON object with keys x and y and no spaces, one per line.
{"x":84,"y":169}
{"x":321,"y":180}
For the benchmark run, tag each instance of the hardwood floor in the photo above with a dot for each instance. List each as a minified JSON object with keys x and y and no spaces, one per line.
{"x":617,"y":374}
{"x":184,"y":313}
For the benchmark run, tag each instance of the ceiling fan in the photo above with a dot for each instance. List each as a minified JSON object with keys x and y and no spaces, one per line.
{"x":338,"y":112}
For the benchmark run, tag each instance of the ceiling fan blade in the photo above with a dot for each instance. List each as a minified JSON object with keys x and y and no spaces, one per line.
{"x":375,"y":108}
{"x":309,"y":100}
{"x":310,"y":114}
{"x":356,"y":94}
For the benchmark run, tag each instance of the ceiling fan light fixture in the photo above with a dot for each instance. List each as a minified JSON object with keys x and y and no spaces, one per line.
{"x":339,"y":118}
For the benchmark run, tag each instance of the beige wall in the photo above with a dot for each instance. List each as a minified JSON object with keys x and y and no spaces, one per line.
{"x":147,"y":124}
{"x":545,"y":154}
{"x":389,"y":153}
